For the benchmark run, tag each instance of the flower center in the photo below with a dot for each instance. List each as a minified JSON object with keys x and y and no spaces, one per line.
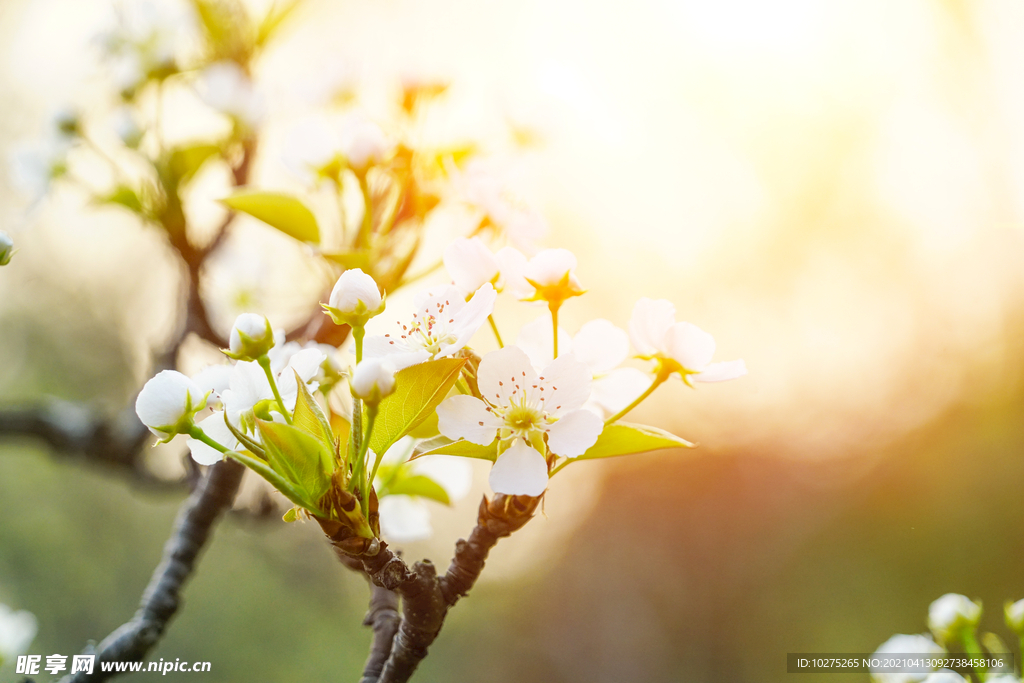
{"x":523,"y":418}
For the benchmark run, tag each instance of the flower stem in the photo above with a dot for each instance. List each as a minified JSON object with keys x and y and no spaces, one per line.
{"x":659,"y":379}
{"x":974,"y":650}
{"x":363,"y":237}
{"x":196,"y":432}
{"x":494,"y":328}
{"x":371,"y":416}
{"x":264,"y":362}
{"x":558,"y":468}
{"x":358,"y":332}
{"x":554,"y":326}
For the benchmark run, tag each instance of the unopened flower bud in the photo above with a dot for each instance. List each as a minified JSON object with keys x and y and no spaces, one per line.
{"x":168,"y":403}
{"x":251,"y":337}
{"x":951,"y":614}
{"x":355,"y":299}
{"x":1014,"y":612}
{"x":6,"y":248}
{"x":373,"y":379}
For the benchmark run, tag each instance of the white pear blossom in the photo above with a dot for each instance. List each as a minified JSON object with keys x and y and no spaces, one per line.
{"x":373,"y":379}
{"x":520,"y":404}
{"x":251,"y":336}
{"x":946,"y":676}
{"x":355,"y":298}
{"x":552,"y":276}
{"x":951,"y":613}
{"x":228,"y":89}
{"x":404,"y":519}
{"x":6,"y":248}
{"x":471,"y":264}
{"x":682,"y":347}
{"x":168,"y":402}
{"x":311,"y":146}
{"x":1014,"y":612}
{"x":17,"y":630}
{"x":905,"y":645}
{"x":442,"y":324}
{"x":214,"y":427}
{"x":126,"y":127}
{"x":599,"y":345}
{"x":1002,"y":678}
{"x":143,"y":38}
{"x":249,"y":385}
{"x":481,"y":187}
{"x":362,"y":142}
{"x":213,"y":380}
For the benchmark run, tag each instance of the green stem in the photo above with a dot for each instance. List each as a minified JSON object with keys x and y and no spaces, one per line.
{"x":554,"y":326}
{"x":355,"y":441}
{"x":494,"y":328}
{"x":358,"y":332}
{"x":363,"y":237}
{"x":371,"y":416}
{"x":196,"y":432}
{"x":342,"y":218}
{"x":974,"y":650}
{"x":264,"y":362}
{"x":560,"y":467}
{"x":1020,"y":662}
{"x":463,"y":386}
{"x":659,"y":379}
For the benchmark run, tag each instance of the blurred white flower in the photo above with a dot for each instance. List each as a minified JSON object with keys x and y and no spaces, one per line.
{"x":1002,"y":678}
{"x":311,"y":147}
{"x":1014,"y":612}
{"x":945,"y":676}
{"x":228,"y":89}
{"x":126,"y":127}
{"x":168,"y":402}
{"x":17,"y":630}
{"x":599,"y":345}
{"x":362,"y":142}
{"x":951,"y":613}
{"x":480,"y":186}
{"x":443,"y":323}
{"x":905,"y":644}
{"x":404,"y":519}
{"x":471,"y":264}
{"x":35,"y":165}
{"x":523,"y":404}
{"x":682,"y":347}
{"x":143,"y":39}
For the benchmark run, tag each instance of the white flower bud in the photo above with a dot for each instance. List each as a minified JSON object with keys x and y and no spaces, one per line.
{"x":251,"y":337}
{"x":17,"y":629}
{"x":6,"y":248}
{"x":355,"y":299}
{"x":1014,"y":612}
{"x":951,"y":613}
{"x":373,"y":379}
{"x":168,"y":403}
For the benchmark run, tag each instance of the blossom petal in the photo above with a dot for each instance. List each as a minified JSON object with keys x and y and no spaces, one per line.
{"x":689,"y":346}
{"x":248,"y":386}
{"x":513,"y":263}
{"x":574,"y":433}
{"x":217,"y":430}
{"x":404,"y":519}
{"x":164,"y":398}
{"x":519,"y":471}
{"x":550,"y":266}
{"x":600,"y":345}
{"x":617,"y":389}
{"x":649,"y":323}
{"x":564,"y":385}
{"x":469,"y":318}
{"x":467,"y":417}
{"x":535,"y":339}
{"x":470,"y":263}
{"x":720,"y":372}
{"x":505,"y":373}
{"x":454,"y":474}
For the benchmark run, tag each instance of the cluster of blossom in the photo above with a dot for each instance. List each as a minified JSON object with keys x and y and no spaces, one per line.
{"x":531,"y":407}
{"x":953,"y":621}
{"x":17,"y":630}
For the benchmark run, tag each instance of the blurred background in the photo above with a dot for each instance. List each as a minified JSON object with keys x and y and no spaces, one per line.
{"x":834,"y":190}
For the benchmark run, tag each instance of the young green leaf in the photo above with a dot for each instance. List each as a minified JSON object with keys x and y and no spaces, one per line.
{"x":297,"y":456}
{"x":418,"y":391}
{"x":287,"y":489}
{"x":186,"y":161}
{"x":356,"y":258}
{"x":416,"y":485}
{"x":466,"y":449}
{"x":281,"y":211}
{"x":310,"y":416}
{"x":623,"y":438}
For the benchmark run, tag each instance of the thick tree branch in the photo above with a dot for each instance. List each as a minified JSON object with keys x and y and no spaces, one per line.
{"x":425,"y":598}
{"x":162,"y":597}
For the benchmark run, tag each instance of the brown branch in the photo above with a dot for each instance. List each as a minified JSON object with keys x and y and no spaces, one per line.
{"x":425,"y":598}
{"x":162,"y":597}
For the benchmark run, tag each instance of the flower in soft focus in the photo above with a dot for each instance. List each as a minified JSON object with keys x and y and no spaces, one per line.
{"x":1002,"y":678}
{"x":312,"y":150}
{"x":373,"y":379}
{"x":951,"y":614}
{"x":126,"y":127}
{"x":471,"y":265}
{"x":520,"y":406}
{"x":1014,"y":612}
{"x":251,"y":337}
{"x":355,"y":299}
{"x":168,"y":403}
{"x":228,"y":89}
{"x":142,"y":41}
{"x":17,"y":630}
{"x":678,"y":347}
{"x":945,"y":676}
{"x":599,"y":345}
{"x":901,"y":644}
{"x":6,"y":248}
{"x":215,"y":428}
{"x":35,"y":165}
{"x":363,"y":143}
{"x":480,"y":187}
{"x":443,"y":323}
{"x":249,"y":389}
{"x":552,"y":275}
{"x":404,"y":519}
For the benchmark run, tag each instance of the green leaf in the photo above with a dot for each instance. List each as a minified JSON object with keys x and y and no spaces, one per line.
{"x":310,"y":416}
{"x":461,"y":448}
{"x":281,"y":211}
{"x":298,"y":457}
{"x":416,"y":485}
{"x":273,"y":20}
{"x":186,"y":161}
{"x":287,"y":489}
{"x":419,"y":389}
{"x":427,"y":429}
{"x":355,"y":258}
{"x":126,"y":197}
{"x":623,"y":438}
